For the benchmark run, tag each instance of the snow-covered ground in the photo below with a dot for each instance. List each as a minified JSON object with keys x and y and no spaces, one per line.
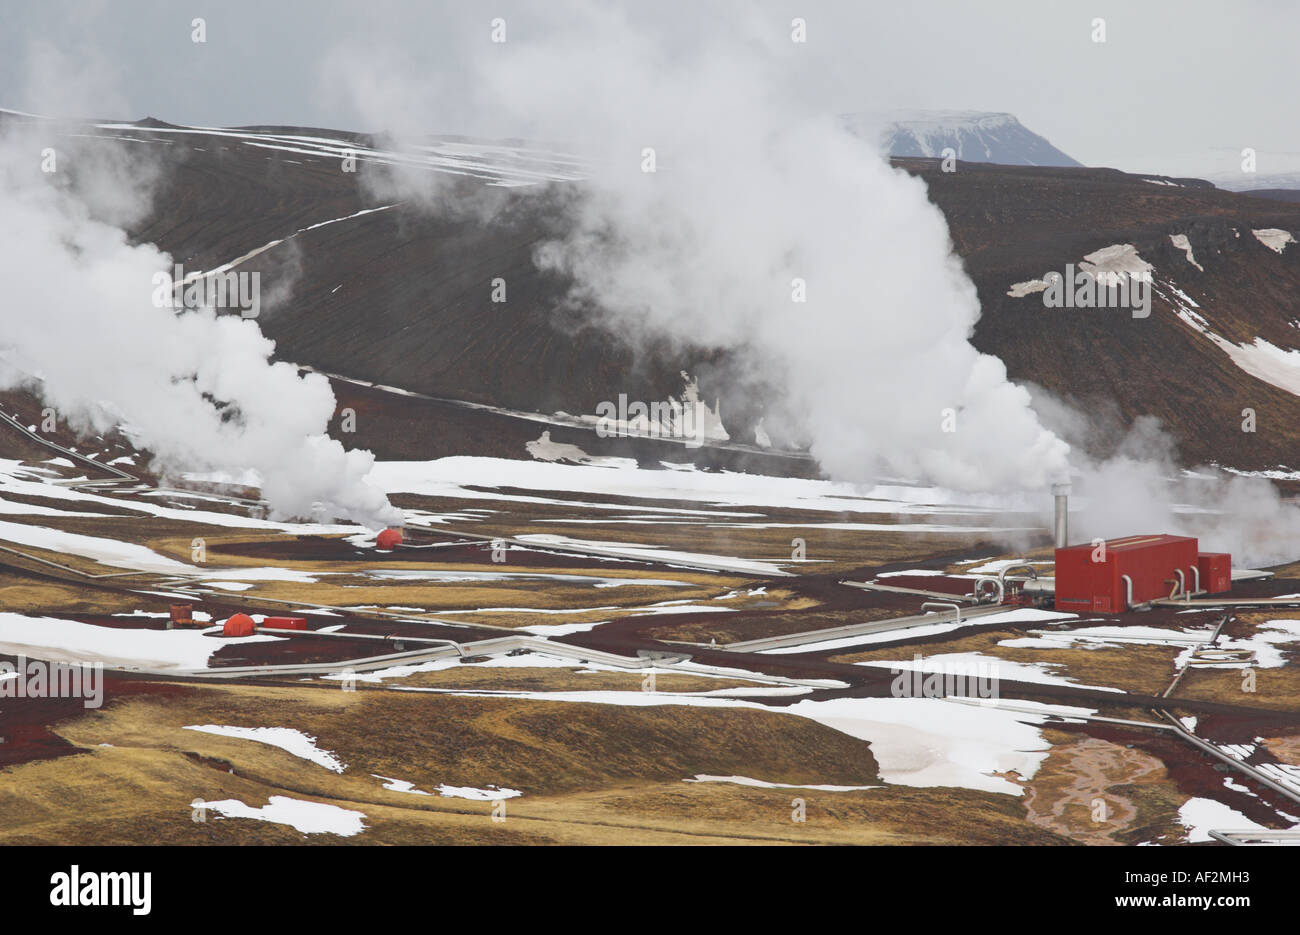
{"x":488,"y":794}
{"x":1274,"y":238}
{"x":651,"y":553}
{"x":224,"y":267}
{"x":1109,"y":264}
{"x":933,"y":742}
{"x":1182,"y":243}
{"x":454,"y":476}
{"x":114,"y":552}
{"x":496,"y":164}
{"x":1016,"y":615}
{"x":1261,"y":359}
{"x":286,"y":738}
{"x":1267,"y":642}
{"x":974,"y":665}
{"x":916,"y":741}
{"x":1201,"y":816}
{"x":307,"y":817}
{"x":59,"y":640}
{"x":22,"y":481}
{"x":1117,"y":261}
{"x":1098,"y":637}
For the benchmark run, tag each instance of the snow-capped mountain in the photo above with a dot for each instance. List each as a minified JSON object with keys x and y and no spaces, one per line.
{"x":975,"y":136}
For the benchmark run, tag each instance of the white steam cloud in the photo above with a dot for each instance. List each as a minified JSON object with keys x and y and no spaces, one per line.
{"x":754,"y":189}
{"x":1141,"y":488}
{"x":196,"y":388}
{"x":752,"y":192}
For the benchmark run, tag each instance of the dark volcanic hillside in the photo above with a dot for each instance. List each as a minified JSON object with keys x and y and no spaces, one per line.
{"x":1013,"y":225}
{"x":400,"y":296}
{"x":403,"y":296}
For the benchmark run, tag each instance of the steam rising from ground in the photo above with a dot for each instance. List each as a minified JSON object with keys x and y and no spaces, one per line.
{"x":195,"y":388}
{"x":752,"y":191}
{"x":1240,"y":515}
{"x":1141,"y":488}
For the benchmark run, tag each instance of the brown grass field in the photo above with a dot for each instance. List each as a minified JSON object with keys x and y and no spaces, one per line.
{"x":599,"y":772}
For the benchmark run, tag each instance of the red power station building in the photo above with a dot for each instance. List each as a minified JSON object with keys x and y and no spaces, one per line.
{"x":1135,"y":570}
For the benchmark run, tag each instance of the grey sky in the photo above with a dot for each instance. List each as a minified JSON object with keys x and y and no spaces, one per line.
{"x":1172,"y":80}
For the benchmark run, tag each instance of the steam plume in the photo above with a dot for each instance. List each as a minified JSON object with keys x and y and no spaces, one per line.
{"x":754,"y":189}
{"x":195,"y":388}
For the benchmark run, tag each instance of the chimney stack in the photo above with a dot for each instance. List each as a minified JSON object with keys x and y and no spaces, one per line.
{"x":1062,"y":531}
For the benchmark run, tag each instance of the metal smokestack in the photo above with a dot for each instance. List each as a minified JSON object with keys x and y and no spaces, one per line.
{"x":1062,"y":532}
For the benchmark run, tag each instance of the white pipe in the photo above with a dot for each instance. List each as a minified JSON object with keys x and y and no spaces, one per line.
{"x":955,"y":607}
{"x":1061,"y":532}
{"x":1180,"y":586}
{"x":1002,"y":575}
{"x":278,"y":631}
{"x":1229,"y":602}
{"x":1128,"y":591}
{"x":997,"y":585}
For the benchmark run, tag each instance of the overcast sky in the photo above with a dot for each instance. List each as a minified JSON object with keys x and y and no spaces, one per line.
{"x":1172,"y":79}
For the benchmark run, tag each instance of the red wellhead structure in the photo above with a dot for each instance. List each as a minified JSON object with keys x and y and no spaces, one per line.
{"x":238,"y":625}
{"x":1117,"y":574}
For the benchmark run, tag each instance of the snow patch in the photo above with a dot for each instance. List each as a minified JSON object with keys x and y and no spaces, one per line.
{"x":1274,"y":238}
{"x":1182,"y":243}
{"x":286,"y":738}
{"x":307,"y":817}
{"x":1200,"y":816}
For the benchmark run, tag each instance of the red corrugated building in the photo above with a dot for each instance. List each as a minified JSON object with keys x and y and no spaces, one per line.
{"x":1135,"y":570}
{"x":1216,"y":571}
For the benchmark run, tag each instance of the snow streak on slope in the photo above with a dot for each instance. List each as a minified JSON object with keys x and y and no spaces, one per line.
{"x":286,"y":738}
{"x":494,"y":164}
{"x":1274,"y":365}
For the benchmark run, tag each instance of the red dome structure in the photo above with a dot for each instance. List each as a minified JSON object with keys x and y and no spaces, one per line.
{"x":238,"y":625}
{"x":388,"y":540}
